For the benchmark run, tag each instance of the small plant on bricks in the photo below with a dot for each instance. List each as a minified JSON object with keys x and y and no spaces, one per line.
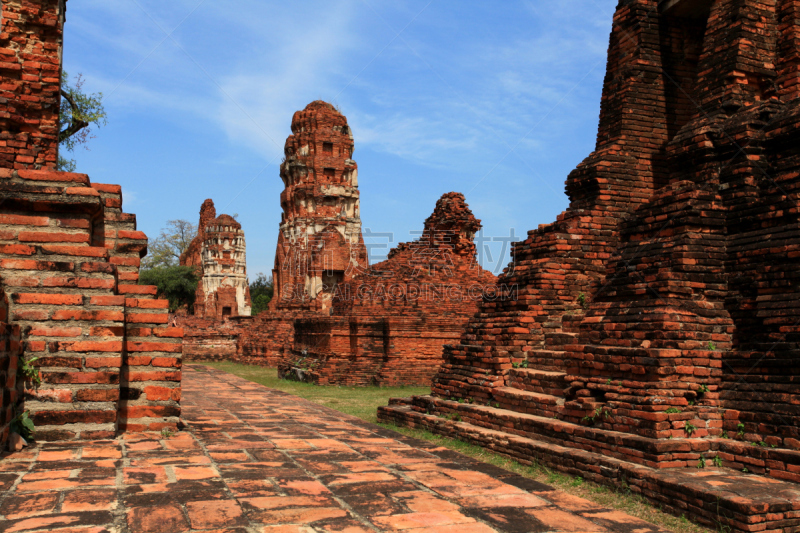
{"x":30,"y":372}
{"x":23,"y":425}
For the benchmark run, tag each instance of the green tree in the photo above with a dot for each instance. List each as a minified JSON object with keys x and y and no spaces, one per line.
{"x":78,"y":112}
{"x":166,"y":249}
{"x":175,"y":283}
{"x":261,"y":291}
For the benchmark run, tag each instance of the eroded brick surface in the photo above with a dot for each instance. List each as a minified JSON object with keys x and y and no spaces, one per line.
{"x":256,"y":459}
{"x":99,"y":340}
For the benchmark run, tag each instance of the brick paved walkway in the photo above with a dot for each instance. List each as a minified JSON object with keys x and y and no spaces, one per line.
{"x":261,"y":461}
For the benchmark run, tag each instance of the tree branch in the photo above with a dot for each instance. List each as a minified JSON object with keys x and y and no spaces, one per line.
{"x":76,"y":125}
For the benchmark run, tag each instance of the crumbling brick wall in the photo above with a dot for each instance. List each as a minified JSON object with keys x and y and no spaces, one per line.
{"x":265,"y":339}
{"x":207,"y":339}
{"x":30,"y":66}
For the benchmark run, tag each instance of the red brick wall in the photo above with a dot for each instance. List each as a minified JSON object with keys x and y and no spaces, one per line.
{"x":358,"y":350}
{"x":264,"y":340}
{"x":207,"y":339}
{"x":30,"y":66}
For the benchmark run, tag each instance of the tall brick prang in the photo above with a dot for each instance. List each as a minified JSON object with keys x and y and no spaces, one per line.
{"x":223,"y":290}
{"x":218,"y":254}
{"x":320,"y":242}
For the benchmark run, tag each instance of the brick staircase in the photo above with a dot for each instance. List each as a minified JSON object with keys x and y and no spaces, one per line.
{"x":69,"y":261}
{"x":718,"y":497}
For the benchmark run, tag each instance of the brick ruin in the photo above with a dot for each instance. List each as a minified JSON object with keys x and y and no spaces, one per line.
{"x":389,"y":323}
{"x":334,"y":319}
{"x":211,"y":332}
{"x":219,"y":253}
{"x":656,"y":325}
{"x":69,"y":266}
{"x":320,"y":244}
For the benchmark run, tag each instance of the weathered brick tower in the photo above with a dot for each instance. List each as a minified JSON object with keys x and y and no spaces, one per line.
{"x":70,"y":304}
{"x":223,"y":290}
{"x":320,"y":242}
{"x":657,"y":323}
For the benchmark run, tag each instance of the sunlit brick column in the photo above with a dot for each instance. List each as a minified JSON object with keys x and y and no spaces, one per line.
{"x":151,"y":379}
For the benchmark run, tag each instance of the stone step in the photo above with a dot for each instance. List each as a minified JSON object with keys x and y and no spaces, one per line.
{"x":625,"y":446}
{"x":536,"y":380}
{"x":559,"y":339}
{"x":549,"y":360}
{"x":522,"y":401}
{"x":722,"y":498}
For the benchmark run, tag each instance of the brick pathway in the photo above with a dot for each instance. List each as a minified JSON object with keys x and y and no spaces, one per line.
{"x":261,"y":461}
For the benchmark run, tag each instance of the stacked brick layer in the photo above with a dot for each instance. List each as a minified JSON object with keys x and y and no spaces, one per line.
{"x":69,"y":261}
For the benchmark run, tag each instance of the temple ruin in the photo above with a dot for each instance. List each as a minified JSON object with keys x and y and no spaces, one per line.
{"x":218,"y":254}
{"x":334,"y":319}
{"x":389,"y":323}
{"x":649,"y":332}
{"x":656,"y":324}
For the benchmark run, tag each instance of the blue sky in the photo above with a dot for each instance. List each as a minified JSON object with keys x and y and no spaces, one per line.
{"x":444,"y":95}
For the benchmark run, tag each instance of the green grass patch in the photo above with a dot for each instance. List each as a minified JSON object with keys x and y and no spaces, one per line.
{"x":363,"y":402}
